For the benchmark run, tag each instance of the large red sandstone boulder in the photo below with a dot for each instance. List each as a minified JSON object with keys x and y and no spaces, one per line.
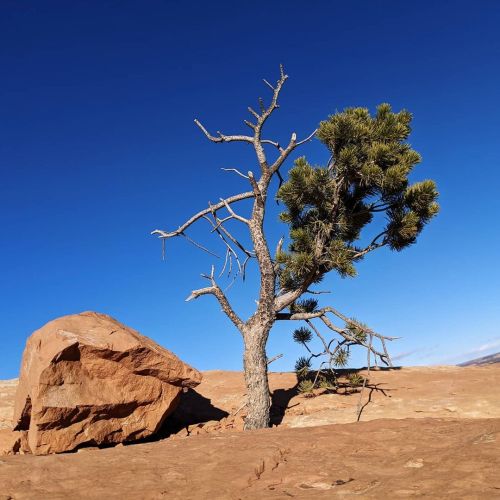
{"x":87,"y":379}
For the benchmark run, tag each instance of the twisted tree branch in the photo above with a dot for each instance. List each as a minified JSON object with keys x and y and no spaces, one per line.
{"x":199,"y":215}
{"x":343,"y":332}
{"x":221,"y":137}
{"x":215,"y":290}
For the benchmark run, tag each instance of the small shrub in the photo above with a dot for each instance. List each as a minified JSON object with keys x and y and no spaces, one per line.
{"x":302,"y":367}
{"x":306,"y":387}
{"x":355,"y":380}
{"x":327,"y":382}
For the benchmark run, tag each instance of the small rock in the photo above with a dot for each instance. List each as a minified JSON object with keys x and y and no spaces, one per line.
{"x":211,"y":424}
{"x":182,"y":433}
{"x":415,"y":464}
{"x":485,"y":438}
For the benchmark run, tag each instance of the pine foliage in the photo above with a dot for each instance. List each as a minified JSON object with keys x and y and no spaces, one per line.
{"x":355,"y":379}
{"x":302,"y":367}
{"x":341,"y":358}
{"x":327,"y":208}
{"x":356,"y":331}
{"x":306,"y":387}
{"x":307,"y":305}
{"x":302,"y":335}
{"x":327,"y":381}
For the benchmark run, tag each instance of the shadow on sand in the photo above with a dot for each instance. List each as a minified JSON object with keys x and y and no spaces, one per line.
{"x":193,"y":409}
{"x":279,"y":403}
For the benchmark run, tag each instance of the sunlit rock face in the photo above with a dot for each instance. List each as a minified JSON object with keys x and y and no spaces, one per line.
{"x":87,"y":379}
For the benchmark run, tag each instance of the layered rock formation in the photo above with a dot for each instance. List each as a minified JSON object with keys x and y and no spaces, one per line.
{"x":87,"y":379}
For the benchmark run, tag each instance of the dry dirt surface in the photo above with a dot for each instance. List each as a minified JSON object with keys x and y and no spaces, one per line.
{"x":414,"y":392}
{"x":431,"y":458}
{"x":431,"y":432}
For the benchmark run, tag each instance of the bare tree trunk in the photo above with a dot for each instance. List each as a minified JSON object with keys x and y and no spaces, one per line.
{"x":255,"y":367}
{"x":256,"y":330}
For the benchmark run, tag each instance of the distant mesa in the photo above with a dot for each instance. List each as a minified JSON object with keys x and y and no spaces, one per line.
{"x":485,"y":360}
{"x":89,"y":380}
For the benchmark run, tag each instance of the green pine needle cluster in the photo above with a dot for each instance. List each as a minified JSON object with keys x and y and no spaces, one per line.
{"x":328,"y":383}
{"x":341,"y":358}
{"x":304,"y":306}
{"x":302,"y":367}
{"x":306,"y":387}
{"x":325,"y":380}
{"x":355,"y":380}
{"x":302,"y":335}
{"x":328,"y":207}
{"x":355,"y":329}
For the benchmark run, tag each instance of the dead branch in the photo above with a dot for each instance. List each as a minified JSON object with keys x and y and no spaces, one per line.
{"x":253,"y":112}
{"x":224,"y":235}
{"x":240,"y":408}
{"x":262,"y":118}
{"x":234,"y":214}
{"x":368,"y":351}
{"x":274,"y":358}
{"x":199,"y":215}
{"x":322,"y":312}
{"x":343,"y":332}
{"x":235,"y":171}
{"x":372,"y":246}
{"x":273,"y":143}
{"x":293,"y":144}
{"x":221,"y":137}
{"x":199,"y":245}
{"x":307,"y":139}
{"x":215,"y":290}
{"x":219,"y":228}
{"x":268,"y":84}
{"x":316,"y":331}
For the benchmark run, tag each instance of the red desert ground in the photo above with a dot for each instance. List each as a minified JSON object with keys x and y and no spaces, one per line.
{"x":424,"y":431}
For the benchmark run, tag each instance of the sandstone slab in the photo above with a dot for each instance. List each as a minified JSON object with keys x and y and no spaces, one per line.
{"x":375,"y":460}
{"x":87,"y":379}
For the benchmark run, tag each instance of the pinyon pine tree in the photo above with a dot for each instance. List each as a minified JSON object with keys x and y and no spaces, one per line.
{"x":327,"y":208}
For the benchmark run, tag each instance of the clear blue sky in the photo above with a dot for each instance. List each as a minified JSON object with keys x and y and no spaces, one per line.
{"x":98,"y":147}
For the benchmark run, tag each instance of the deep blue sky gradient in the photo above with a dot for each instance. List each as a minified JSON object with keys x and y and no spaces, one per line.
{"x":98,"y":147}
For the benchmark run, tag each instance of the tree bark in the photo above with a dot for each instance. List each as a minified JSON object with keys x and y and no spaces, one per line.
{"x":256,"y":329}
{"x":255,"y":367}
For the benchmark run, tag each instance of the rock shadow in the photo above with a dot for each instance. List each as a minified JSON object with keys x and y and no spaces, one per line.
{"x":279,"y":403}
{"x":193,"y":409}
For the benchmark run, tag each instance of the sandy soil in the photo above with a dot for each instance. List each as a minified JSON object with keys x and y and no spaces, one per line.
{"x":431,"y":432}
